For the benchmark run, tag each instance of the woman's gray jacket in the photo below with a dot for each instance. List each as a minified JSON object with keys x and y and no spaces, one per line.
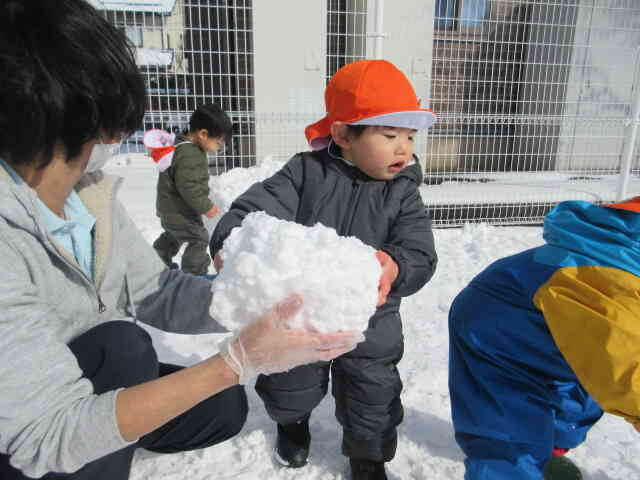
{"x":50,"y":419}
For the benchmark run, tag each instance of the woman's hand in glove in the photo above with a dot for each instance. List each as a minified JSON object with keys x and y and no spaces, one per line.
{"x":268,"y":346}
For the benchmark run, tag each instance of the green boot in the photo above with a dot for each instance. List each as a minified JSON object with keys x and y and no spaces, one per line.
{"x":561,"y":468}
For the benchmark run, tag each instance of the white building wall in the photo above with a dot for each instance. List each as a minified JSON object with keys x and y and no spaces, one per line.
{"x":289,"y":70}
{"x":408,"y":44}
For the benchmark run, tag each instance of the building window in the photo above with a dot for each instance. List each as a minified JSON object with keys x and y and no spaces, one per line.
{"x":134,"y":34}
{"x":461,"y":14}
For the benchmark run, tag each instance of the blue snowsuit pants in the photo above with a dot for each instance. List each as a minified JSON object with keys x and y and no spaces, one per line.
{"x":513,"y":396}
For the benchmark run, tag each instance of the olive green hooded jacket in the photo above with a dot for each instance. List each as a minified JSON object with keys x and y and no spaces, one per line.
{"x":183,"y":188}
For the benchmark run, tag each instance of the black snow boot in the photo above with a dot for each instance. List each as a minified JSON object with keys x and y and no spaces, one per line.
{"x":367,"y":470}
{"x":292,"y":447}
{"x":561,"y":468}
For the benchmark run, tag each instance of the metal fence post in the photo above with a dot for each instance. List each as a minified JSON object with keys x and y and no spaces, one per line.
{"x":630,"y":144}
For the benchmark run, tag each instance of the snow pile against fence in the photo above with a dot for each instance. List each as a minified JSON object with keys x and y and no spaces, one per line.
{"x":225,"y":188}
{"x":267,"y":259}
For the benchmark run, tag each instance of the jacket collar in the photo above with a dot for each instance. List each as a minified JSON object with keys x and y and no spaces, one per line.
{"x":96,"y":190}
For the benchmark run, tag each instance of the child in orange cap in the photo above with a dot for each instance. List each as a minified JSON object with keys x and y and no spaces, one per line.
{"x":361,"y":179}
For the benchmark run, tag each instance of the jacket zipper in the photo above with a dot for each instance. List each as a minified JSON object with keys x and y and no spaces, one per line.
{"x":101,"y":306}
{"x":346,"y":227}
{"x":51,"y":246}
{"x":98,"y":281}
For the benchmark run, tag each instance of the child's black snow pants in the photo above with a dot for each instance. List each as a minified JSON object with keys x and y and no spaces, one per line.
{"x":366,"y":386}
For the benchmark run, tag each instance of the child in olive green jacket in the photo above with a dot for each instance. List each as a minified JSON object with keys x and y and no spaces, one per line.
{"x":183,"y":190}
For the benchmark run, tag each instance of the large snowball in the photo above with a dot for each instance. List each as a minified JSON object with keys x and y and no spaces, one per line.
{"x":266,"y":259}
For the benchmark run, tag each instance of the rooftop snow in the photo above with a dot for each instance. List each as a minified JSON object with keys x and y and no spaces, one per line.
{"x":151,"y":6}
{"x":153,"y":56}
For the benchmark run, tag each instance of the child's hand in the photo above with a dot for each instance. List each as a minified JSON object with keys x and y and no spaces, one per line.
{"x":217,"y":262}
{"x":212,"y":212}
{"x":389,"y":274}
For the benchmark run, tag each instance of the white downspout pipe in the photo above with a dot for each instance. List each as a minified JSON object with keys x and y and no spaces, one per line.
{"x":377,"y":35}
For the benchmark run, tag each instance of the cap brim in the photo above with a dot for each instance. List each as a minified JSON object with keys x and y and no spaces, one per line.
{"x":413,"y":119}
{"x":318,"y":134}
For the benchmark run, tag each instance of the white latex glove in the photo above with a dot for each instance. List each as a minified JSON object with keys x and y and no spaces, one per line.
{"x":267,"y":346}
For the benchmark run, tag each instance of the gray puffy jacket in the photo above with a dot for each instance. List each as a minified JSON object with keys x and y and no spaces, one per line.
{"x":387,"y":215}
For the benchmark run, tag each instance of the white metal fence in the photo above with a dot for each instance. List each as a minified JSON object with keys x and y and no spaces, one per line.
{"x":537,"y":99}
{"x":535,"y":104}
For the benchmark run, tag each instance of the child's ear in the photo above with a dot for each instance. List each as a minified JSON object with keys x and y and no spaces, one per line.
{"x":340,"y":134}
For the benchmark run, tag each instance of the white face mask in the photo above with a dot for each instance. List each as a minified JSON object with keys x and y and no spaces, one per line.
{"x":100,"y":155}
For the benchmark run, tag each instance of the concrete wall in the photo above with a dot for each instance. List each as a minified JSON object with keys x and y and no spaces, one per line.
{"x":408,"y":44}
{"x":409,"y":40}
{"x":599,"y":85}
{"x":289,"y":68}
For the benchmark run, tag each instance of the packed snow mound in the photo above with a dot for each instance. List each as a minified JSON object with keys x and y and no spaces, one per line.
{"x":267,"y":259}
{"x":228,"y":186}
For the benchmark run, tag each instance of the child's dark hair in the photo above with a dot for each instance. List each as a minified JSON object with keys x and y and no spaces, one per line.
{"x":213,"y":119}
{"x":356,"y":130}
{"x":67,"y":77}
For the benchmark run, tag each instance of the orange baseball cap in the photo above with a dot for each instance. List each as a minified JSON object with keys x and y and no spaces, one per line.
{"x":632,"y":204}
{"x":369,"y":92}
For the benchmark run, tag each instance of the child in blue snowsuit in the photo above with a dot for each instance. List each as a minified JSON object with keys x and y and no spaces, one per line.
{"x":543,"y":341}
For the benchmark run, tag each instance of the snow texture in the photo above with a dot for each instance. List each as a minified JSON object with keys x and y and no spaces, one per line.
{"x":426,"y":447}
{"x":272,"y":258}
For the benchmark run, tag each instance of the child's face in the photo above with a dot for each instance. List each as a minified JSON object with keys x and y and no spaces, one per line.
{"x":207,"y":143}
{"x":380,"y":152}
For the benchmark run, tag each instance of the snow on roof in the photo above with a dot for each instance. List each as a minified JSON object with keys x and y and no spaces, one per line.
{"x":152,"y":6}
{"x":153,"y":56}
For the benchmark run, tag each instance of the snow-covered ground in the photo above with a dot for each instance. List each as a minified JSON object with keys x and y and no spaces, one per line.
{"x":426,"y":448}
